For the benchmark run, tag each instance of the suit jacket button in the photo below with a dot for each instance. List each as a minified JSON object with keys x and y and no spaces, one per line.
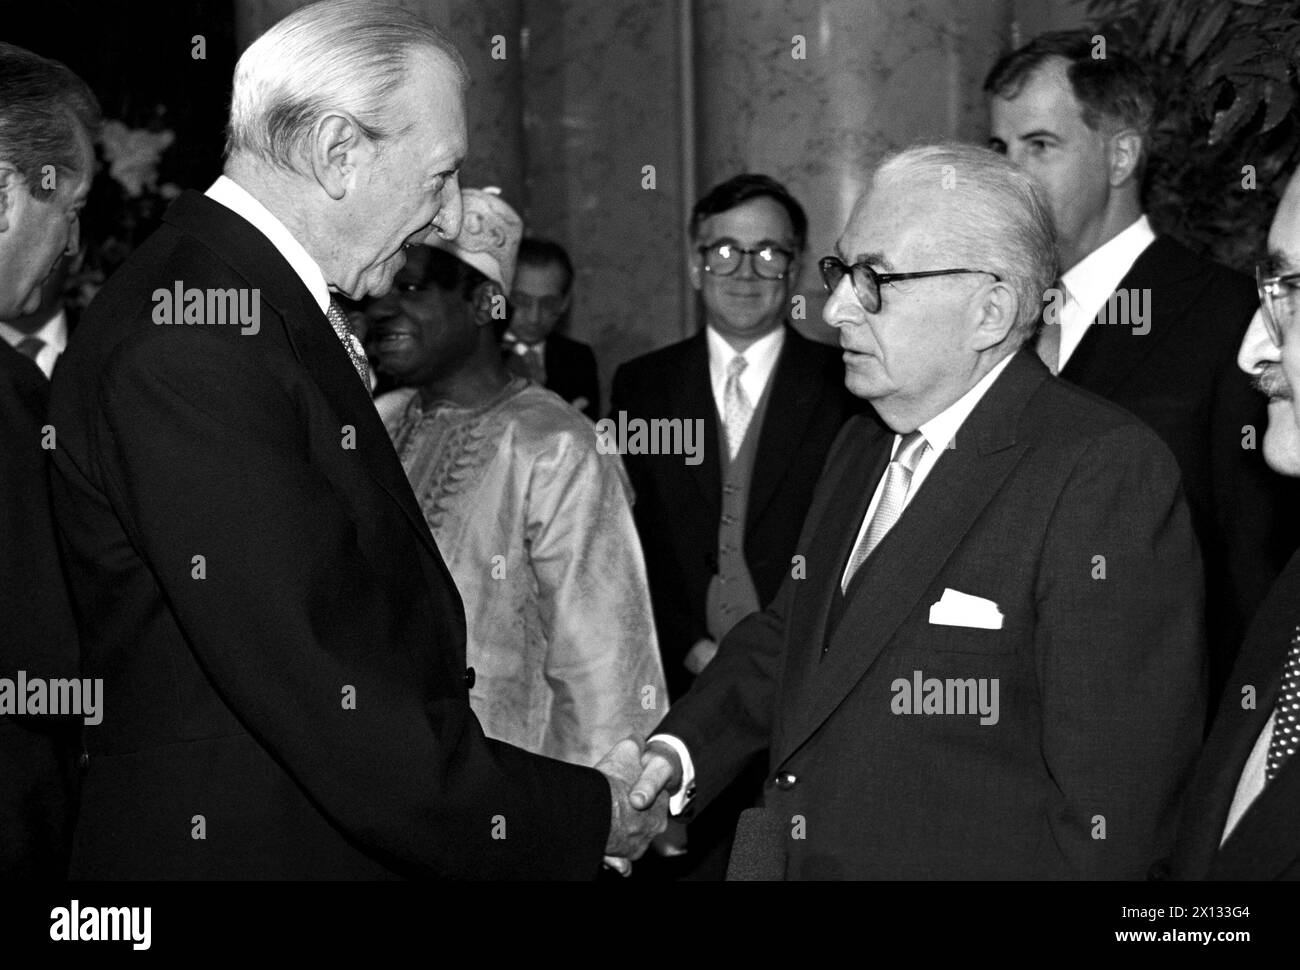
{"x":785,"y":781}
{"x":470,"y":677}
{"x":83,"y":760}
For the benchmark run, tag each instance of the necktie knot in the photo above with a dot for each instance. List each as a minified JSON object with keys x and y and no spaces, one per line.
{"x":911,"y":450}
{"x":30,"y":347}
{"x":736,"y":367}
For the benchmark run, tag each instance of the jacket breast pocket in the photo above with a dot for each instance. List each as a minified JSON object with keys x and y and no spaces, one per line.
{"x":962,"y":639}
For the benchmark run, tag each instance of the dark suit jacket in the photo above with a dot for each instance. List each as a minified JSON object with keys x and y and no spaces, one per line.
{"x":302,"y":686}
{"x":1266,"y":842}
{"x":37,"y":634}
{"x":1100,"y":679}
{"x":1182,"y":379}
{"x":571,"y":372}
{"x":678,"y":506}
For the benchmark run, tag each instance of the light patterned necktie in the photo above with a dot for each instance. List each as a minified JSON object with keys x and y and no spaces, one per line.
{"x":339,"y":321}
{"x":737,"y":411}
{"x":898,"y":479}
{"x":1286,"y":715}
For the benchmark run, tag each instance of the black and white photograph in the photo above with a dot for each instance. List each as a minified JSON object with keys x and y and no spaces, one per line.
{"x":635,"y":442}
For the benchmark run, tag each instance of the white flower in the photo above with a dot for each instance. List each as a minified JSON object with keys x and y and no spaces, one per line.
{"x":133,"y":153}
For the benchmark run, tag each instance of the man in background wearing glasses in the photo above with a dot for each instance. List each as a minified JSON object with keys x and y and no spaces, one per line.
{"x":719,"y":536}
{"x":993,"y":668}
{"x":1241,"y":808}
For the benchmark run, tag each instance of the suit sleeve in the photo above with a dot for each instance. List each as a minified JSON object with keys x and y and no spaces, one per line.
{"x":1120,"y":655}
{"x":202,"y":457}
{"x":678,"y":630}
{"x":590,"y":381}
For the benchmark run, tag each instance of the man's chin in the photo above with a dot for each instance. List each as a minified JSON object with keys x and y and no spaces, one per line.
{"x":1282,"y":440}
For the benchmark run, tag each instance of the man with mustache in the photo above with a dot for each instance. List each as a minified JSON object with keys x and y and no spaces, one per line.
{"x":1240,"y":819}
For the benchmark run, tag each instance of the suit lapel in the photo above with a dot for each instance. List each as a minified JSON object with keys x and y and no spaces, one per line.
{"x":314,"y":342}
{"x":903,"y":566}
{"x":1110,"y":352}
{"x":692,"y":397}
{"x":1267,"y":834}
{"x":796,"y":391}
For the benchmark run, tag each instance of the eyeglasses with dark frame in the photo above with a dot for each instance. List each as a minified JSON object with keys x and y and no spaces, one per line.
{"x":867,"y":282}
{"x":723,"y":258}
{"x":1275,"y":297}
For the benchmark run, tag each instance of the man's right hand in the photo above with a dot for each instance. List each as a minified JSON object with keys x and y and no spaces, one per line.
{"x":661,"y":775}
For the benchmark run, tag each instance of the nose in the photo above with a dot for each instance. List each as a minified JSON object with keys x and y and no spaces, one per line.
{"x":384,"y":307}
{"x":842,"y":307}
{"x":449,"y":216}
{"x":1257,"y":347}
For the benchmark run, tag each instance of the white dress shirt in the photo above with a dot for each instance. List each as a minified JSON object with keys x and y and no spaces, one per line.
{"x":760,"y":361}
{"x":939,"y":431}
{"x":54,"y":334}
{"x":1090,"y":282}
{"x":237,"y":199}
{"x":1251,"y":782}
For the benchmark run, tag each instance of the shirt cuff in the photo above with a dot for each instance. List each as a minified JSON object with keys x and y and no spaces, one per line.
{"x":677,"y":803}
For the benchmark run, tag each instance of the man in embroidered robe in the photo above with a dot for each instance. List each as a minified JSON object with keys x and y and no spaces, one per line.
{"x":534,"y":521}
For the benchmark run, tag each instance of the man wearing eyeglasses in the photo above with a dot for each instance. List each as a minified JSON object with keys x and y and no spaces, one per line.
{"x":719,"y":536}
{"x":1139,"y":318}
{"x":1241,"y":808}
{"x":993,"y":668}
{"x":532,"y":345}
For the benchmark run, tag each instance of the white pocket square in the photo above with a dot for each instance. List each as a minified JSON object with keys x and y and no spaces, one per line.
{"x":961,"y":609}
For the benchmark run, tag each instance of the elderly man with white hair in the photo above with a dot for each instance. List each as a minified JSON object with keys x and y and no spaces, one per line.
{"x":281,"y":644}
{"x":991,"y":665}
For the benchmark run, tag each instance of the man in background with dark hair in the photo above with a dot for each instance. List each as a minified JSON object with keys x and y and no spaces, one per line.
{"x":47,"y":122}
{"x":1143,"y":321}
{"x":719,"y":536}
{"x":540,"y":300}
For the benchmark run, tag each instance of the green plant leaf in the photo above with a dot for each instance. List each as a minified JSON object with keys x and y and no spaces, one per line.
{"x":1207,"y":30}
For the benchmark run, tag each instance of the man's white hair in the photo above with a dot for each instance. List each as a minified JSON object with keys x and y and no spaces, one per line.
{"x":336,"y":55}
{"x":997,"y":219}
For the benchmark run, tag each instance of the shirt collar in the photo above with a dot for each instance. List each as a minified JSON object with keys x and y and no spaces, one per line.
{"x":53,"y":333}
{"x":238,"y":200}
{"x":1092,"y":279}
{"x":943,"y":427}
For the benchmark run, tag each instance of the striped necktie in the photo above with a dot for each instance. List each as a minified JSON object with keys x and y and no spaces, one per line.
{"x":339,"y":321}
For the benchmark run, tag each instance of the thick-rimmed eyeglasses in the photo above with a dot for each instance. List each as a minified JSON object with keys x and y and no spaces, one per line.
{"x":1276,"y":297}
{"x":867,"y":282}
{"x":770,"y":261}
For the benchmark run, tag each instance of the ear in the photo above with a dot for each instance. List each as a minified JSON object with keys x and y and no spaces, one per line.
{"x":695,"y":268}
{"x":11,"y":183}
{"x":487,"y":298}
{"x":996,"y":316}
{"x":1125,"y":154}
{"x":337,"y":149}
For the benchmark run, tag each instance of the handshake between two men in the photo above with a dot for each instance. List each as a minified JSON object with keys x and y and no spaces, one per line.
{"x":642,"y":777}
